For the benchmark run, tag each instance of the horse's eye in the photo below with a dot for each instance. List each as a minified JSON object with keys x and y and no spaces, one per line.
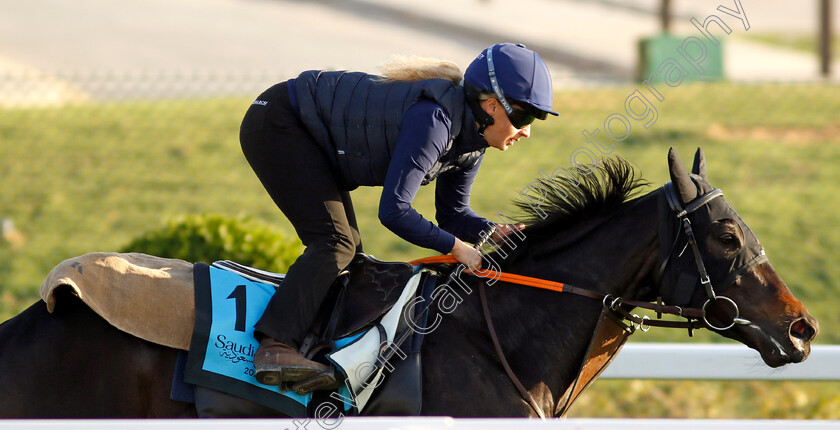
{"x":727,"y":239}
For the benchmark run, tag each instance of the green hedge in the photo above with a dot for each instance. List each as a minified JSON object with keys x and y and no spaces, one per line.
{"x":207,"y":238}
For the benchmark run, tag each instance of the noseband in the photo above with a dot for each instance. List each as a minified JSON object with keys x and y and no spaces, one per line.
{"x":682,"y":215}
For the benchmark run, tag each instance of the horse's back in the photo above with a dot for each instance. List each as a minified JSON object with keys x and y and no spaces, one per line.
{"x":72,"y":363}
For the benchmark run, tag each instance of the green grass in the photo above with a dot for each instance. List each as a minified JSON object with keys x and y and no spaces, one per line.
{"x":86,"y":178}
{"x":803,"y":42}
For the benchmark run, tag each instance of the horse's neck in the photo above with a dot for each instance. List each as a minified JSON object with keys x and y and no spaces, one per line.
{"x":543,"y":334}
{"x":618,"y":257}
{"x":551,"y":334}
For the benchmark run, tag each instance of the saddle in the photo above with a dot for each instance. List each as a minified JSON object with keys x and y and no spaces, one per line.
{"x":361,"y":293}
{"x":359,"y":301}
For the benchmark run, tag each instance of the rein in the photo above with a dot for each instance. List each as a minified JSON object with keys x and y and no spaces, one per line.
{"x":614,"y":303}
{"x":695,"y":317}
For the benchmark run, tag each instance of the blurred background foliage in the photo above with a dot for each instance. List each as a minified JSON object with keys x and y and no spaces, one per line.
{"x":165,"y":175}
{"x":207,"y":238}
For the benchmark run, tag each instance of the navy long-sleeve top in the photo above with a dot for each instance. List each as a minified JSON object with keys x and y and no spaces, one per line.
{"x":424,"y":136}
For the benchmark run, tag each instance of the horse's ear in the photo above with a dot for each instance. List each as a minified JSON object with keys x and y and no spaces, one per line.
{"x":699,"y":167}
{"x":680,"y":179}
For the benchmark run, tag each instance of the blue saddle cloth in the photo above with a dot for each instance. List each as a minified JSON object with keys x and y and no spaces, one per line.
{"x":222,"y":349}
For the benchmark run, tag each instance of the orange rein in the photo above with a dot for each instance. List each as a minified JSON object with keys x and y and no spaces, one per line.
{"x":492,"y":274}
{"x":688,"y":313}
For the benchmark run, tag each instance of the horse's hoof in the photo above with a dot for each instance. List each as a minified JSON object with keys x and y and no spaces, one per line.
{"x":324,"y":381}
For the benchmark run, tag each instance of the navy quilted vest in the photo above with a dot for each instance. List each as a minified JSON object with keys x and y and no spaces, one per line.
{"x":356,"y":118}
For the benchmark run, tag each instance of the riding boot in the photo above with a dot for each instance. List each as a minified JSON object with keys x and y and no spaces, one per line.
{"x":275,"y":363}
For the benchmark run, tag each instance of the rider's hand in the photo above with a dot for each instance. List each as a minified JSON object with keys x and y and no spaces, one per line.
{"x":466,"y":255}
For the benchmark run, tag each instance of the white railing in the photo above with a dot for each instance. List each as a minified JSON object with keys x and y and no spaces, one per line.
{"x":422,"y":423}
{"x":718,"y":362}
{"x":636,"y":361}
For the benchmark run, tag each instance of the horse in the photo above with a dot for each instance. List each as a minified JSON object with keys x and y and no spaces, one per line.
{"x":680,"y":248}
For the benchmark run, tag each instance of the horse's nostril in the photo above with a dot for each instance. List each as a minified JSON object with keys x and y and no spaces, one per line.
{"x":800,"y":329}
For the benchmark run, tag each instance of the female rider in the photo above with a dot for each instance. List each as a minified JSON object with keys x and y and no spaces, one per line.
{"x":312,"y":139}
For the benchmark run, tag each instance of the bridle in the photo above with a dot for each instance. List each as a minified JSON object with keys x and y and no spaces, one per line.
{"x":695,"y":317}
{"x":682,"y":214}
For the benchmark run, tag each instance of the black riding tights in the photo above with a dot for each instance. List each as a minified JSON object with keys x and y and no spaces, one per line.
{"x":298,"y":176}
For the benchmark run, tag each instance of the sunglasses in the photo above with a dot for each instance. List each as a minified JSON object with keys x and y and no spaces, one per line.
{"x":520,"y":118}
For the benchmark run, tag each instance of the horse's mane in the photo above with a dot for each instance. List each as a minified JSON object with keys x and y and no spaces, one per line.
{"x":568,"y":200}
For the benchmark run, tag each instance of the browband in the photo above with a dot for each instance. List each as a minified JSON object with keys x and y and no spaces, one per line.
{"x":676,"y":205}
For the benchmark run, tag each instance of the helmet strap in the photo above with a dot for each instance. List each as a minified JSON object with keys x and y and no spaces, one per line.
{"x":472,"y":94}
{"x":491,"y":69}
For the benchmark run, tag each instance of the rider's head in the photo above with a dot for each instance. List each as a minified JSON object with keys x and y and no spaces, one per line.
{"x":516,"y":77}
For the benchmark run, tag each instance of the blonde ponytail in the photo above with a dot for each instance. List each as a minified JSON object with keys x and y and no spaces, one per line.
{"x":413,"y":68}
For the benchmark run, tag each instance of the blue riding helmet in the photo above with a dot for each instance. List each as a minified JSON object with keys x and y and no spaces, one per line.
{"x":513,"y":73}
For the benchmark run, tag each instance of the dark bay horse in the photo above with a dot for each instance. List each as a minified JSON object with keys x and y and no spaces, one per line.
{"x":690,"y":249}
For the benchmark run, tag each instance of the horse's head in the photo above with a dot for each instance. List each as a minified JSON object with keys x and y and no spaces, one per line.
{"x":745,"y":299}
